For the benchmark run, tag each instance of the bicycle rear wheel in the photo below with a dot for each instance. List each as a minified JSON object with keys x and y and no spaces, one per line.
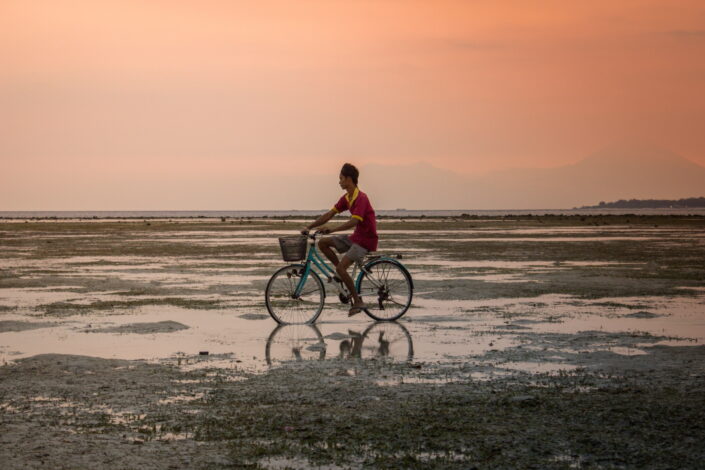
{"x":388,"y":340}
{"x":386,"y":287}
{"x":282,"y":303}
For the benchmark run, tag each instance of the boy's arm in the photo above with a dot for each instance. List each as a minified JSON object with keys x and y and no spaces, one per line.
{"x":321,"y":220}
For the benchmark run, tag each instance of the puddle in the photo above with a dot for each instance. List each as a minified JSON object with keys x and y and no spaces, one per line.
{"x":627,"y":351}
{"x":31,"y":297}
{"x":387,"y":341}
{"x":128,"y":419}
{"x":537,"y":367}
{"x":699,"y":289}
{"x":678,"y":317}
{"x":435,"y":331}
{"x":181,"y":398}
{"x":499,"y":278}
{"x":15,"y":325}
{"x":240,"y":335}
{"x":399,"y":380}
{"x":541,"y":239}
{"x":288,"y":463}
{"x":492,"y":264}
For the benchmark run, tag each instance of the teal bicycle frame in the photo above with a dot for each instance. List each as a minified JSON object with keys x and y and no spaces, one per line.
{"x":314,"y":259}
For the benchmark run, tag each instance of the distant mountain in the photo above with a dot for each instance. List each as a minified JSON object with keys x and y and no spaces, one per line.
{"x":623,"y":172}
{"x":691,"y":202}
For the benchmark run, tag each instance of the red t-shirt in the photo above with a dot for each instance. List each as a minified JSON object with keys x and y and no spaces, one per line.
{"x":365,"y":233}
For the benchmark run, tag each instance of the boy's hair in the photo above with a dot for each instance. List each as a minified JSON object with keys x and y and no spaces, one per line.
{"x":350,"y":170}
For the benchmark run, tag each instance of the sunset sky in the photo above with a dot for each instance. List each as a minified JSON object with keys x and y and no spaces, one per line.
{"x":175,"y":104}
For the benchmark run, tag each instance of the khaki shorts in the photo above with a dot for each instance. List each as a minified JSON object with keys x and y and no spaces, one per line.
{"x":352,"y":250}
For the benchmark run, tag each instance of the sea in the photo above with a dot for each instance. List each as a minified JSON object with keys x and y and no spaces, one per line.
{"x":395,"y":213}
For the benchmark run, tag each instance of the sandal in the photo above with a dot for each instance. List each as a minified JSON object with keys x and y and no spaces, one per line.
{"x":355,"y":309}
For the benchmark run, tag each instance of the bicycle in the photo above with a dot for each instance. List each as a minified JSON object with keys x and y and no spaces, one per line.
{"x":296,"y":294}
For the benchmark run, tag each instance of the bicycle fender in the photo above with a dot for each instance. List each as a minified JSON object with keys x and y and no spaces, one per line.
{"x":378,"y":260}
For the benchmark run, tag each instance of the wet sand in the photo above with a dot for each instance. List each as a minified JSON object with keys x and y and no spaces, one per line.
{"x":532,"y":342}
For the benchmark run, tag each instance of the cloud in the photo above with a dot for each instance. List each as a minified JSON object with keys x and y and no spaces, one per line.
{"x":468,"y":44}
{"x":685,"y":33}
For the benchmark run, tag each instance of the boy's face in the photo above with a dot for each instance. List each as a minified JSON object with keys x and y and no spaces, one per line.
{"x":343,"y":181}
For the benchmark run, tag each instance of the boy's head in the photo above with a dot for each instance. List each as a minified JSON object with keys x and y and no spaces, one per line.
{"x":349,"y":171}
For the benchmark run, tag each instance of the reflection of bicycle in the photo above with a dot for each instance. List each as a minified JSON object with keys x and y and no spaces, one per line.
{"x":294,"y":343}
{"x":302,"y":342}
{"x":295,"y":293}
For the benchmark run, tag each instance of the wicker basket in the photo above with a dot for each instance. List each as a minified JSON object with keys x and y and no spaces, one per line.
{"x":293,"y":248}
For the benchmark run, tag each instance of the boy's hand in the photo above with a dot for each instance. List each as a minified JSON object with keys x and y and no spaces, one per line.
{"x":304,"y":231}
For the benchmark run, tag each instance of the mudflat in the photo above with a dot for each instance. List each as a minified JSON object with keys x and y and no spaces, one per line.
{"x":532,"y":342}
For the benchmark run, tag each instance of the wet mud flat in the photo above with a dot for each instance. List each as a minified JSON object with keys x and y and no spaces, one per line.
{"x":80,"y":412}
{"x":534,"y":342}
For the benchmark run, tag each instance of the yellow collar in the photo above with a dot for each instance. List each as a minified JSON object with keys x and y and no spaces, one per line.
{"x":354,"y":196}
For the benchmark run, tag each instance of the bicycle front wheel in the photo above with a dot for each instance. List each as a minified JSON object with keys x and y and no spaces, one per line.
{"x":282,"y":302}
{"x":386,"y":288}
{"x":294,"y":343}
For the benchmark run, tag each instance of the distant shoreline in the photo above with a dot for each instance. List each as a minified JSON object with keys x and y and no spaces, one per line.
{"x":687,"y":203}
{"x":381,"y":214}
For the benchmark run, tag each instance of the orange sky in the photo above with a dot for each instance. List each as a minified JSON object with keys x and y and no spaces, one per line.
{"x":100,"y":96}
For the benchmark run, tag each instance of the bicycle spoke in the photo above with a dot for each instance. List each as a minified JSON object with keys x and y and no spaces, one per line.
{"x":310,"y":291}
{"x":395,"y":302}
{"x":286,"y":309}
{"x":388,"y":340}
{"x":387,"y":290}
{"x":385,"y":273}
{"x":285,"y":292}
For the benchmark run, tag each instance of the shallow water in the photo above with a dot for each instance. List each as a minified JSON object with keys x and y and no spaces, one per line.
{"x":237,"y":332}
{"x":435,"y":331}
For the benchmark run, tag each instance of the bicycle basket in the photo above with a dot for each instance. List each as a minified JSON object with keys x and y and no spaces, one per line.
{"x":293,"y":248}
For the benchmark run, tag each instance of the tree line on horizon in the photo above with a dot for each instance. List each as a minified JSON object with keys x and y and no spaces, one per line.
{"x":650,"y":203}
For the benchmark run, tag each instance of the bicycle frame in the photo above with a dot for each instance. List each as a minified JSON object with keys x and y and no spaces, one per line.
{"x":314,"y":259}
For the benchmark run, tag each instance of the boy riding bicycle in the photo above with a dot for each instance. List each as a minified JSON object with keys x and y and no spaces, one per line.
{"x":354,"y":247}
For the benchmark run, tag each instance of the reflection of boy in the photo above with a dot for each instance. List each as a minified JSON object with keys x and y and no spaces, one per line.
{"x":383,"y":345}
{"x":353,"y":346}
{"x":364,"y":238}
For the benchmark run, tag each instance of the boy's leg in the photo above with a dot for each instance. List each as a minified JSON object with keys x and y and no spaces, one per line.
{"x":326,"y":244}
{"x":342,"y":270}
{"x":340,"y":242}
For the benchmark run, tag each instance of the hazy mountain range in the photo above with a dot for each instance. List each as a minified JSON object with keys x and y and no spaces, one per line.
{"x":626,"y":172}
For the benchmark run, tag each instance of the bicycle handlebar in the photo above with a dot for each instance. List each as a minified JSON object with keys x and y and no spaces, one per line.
{"x":313,"y":235}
